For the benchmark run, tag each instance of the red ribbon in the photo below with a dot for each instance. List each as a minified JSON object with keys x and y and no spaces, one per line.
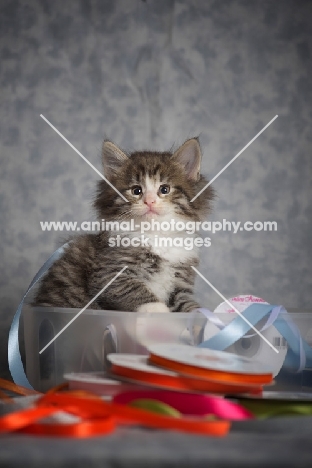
{"x":98,"y":417}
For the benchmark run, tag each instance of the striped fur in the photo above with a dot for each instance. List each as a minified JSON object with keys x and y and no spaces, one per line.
{"x":162,"y":276}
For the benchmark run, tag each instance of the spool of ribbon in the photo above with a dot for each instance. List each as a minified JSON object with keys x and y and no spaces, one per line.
{"x":299,"y":354}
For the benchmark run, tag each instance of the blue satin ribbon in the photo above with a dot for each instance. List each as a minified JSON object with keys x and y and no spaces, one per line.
{"x":299,"y":353}
{"x":14,"y":355}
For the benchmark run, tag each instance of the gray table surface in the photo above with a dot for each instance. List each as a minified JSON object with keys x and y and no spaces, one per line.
{"x":276,"y":442}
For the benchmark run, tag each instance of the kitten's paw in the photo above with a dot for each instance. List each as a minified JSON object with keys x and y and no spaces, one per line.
{"x":152,"y":307}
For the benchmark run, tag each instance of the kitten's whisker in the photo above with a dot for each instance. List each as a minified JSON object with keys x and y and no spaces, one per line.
{"x":124,"y":215}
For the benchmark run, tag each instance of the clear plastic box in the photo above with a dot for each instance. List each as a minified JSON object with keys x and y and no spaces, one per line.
{"x":85,"y":343}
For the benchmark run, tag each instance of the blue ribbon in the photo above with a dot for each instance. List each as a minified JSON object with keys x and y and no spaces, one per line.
{"x":299,"y":353}
{"x":14,"y":355}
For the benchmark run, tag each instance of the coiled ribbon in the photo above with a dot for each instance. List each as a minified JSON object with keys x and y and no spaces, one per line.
{"x":14,"y":355}
{"x":299,"y":353}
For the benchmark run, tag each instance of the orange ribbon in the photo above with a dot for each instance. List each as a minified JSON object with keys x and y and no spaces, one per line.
{"x":185,"y":383}
{"x":98,"y":417}
{"x":12,"y":387}
{"x":187,"y":369}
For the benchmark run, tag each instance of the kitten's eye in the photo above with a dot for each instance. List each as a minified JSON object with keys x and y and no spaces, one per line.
{"x":136,"y":190}
{"x":164,"y":189}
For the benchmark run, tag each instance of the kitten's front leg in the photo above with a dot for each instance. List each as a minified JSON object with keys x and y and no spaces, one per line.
{"x":125,"y":293}
{"x":181,"y":300}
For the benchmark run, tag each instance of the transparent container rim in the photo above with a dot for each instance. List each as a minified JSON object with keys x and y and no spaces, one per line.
{"x":39,"y":309}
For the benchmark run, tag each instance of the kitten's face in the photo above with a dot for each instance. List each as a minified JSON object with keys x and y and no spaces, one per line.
{"x":157,"y":185}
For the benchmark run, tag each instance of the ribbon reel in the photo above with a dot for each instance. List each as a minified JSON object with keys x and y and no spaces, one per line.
{"x":299,"y":353}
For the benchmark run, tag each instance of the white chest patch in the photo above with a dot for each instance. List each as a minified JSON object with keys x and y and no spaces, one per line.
{"x":163,"y":244}
{"x":174,"y":247}
{"x":162,"y":283}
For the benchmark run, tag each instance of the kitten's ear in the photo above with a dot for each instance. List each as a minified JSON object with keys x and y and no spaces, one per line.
{"x":189,"y":156}
{"x":113,"y":158}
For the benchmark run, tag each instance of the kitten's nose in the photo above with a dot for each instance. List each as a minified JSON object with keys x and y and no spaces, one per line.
{"x":150,"y":199}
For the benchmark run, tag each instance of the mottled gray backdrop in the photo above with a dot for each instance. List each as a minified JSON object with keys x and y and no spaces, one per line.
{"x":149,"y":74}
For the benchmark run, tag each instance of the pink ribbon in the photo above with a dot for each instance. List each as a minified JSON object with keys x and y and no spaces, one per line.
{"x":189,"y":403}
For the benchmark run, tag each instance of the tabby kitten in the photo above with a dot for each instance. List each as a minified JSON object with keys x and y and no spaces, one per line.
{"x":159,"y":186}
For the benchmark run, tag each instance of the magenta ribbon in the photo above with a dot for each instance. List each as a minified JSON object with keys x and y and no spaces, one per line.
{"x":189,"y":403}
